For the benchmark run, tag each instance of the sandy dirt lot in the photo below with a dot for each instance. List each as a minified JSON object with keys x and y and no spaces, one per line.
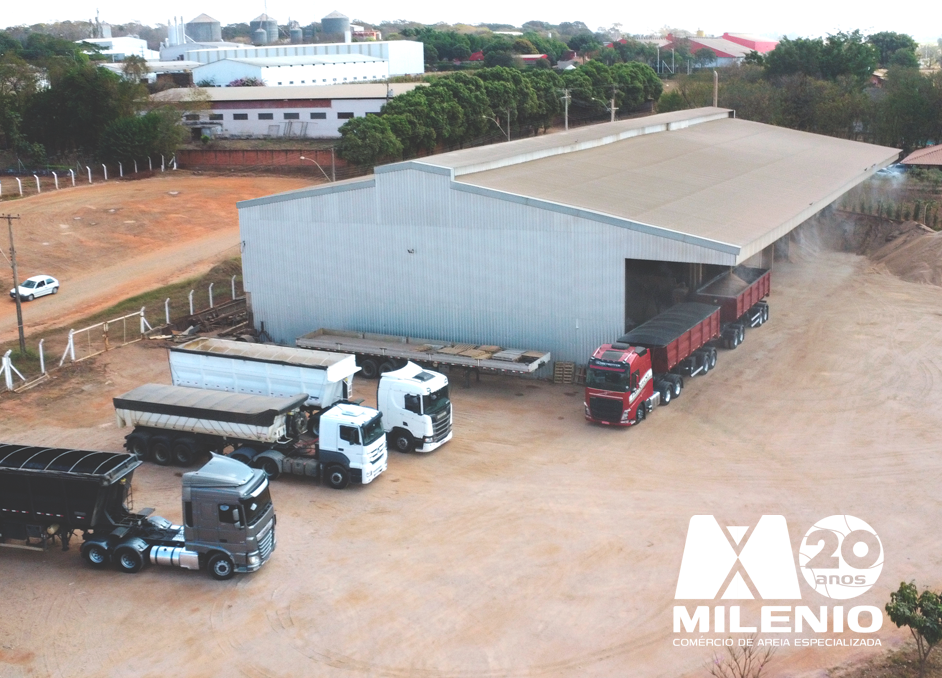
{"x":533,"y":544}
{"x":107,"y":242}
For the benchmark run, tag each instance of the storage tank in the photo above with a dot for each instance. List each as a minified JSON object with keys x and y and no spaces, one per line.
{"x":204,"y":28}
{"x":335,"y":23}
{"x":297,"y":35}
{"x":259,"y":37}
{"x":266,"y":23}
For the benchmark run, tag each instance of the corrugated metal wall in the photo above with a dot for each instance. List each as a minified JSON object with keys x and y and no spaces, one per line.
{"x":415,"y":256}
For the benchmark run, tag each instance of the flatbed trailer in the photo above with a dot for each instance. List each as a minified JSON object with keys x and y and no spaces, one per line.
{"x":740,"y":294}
{"x":380,"y":353}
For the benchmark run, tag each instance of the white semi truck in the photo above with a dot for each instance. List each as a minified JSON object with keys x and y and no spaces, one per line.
{"x":178,"y":424}
{"x":414,"y":402}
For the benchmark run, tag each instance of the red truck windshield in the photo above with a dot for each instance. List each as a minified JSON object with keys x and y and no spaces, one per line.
{"x":608,"y":378}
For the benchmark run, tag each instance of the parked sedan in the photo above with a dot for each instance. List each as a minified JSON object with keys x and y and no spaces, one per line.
{"x":36,"y":286}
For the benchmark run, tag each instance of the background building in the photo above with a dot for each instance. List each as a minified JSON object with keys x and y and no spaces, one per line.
{"x":327,"y":69}
{"x":310,"y":112}
{"x":548,"y":242}
{"x":116,"y":49}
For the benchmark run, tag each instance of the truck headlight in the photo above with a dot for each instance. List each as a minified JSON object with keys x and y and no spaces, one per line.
{"x":254,"y":559}
{"x":427,"y":439}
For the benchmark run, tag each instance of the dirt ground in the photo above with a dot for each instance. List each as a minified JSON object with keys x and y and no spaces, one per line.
{"x":533,"y":544}
{"x":110,"y":241}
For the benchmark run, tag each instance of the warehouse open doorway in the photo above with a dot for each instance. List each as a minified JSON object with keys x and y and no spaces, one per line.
{"x":652,"y":287}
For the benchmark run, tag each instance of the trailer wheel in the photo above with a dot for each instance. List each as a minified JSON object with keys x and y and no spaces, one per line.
{"x":712,"y":358}
{"x":677,"y":384}
{"x":160,"y":450}
{"x":705,"y":361}
{"x":765,"y":314}
{"x":387,"y":366}
{"x":221,"y":567}
{"x":244,"y":454}
{"x":269,"y":466}
{"x":185,"y":451}
{"x":369,"y":368}
{"x":129,"y":560}
{"x":403,"y":441}
{"x":136,"y":444}
{"x":667,"y":391}
{"x":96,"y":555}
{"x":337,"y":477}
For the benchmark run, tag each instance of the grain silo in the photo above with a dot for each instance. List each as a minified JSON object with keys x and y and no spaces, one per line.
{"x":266,"y":23}
{"x":259,"y":37}
{"x":204,"y":28}
{"x":297,"y":35}
{"x":335,"y":23}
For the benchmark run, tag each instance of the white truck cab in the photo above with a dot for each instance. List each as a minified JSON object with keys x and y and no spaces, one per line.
{"x":416,"y":409}
{"x":350,"y":438}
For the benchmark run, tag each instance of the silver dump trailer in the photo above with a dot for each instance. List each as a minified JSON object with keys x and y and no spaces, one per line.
{"x":264,"y":369}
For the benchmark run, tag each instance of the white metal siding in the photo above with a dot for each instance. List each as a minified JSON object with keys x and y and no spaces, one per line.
{"x":481,"y":269}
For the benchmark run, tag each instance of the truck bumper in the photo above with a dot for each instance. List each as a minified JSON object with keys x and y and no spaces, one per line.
{"x":429,"y":447}
{"x":370,"y":473}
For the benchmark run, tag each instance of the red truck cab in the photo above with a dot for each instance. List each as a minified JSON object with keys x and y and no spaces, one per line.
{"x":619,"y":385}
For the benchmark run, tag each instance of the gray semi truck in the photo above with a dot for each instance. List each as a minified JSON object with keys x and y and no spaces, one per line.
{"x":48,"y":493}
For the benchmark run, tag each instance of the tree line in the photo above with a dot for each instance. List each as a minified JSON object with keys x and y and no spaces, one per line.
{"x":827,"y":86}
{"x":462,"y":108}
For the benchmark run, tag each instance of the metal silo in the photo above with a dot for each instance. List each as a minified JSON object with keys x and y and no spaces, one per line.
{"x":267,"y":24}
{"x":296,"y":34}
{"x":335,"y":23}
{"x":259,"y":37}
{"x":204,"y":28}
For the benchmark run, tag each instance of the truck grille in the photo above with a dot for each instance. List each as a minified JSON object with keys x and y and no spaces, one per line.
{"x":441,"y":426}
{"x":606,"y":409}
{"x":379,"y":452}
{"x":266,"y":544}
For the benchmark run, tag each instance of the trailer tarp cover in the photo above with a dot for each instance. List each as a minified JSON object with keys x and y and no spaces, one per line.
{"x":279,"y":355}
{"x":200,"y":403}
{"x":104,"y":467}
{"x":669,"y":325}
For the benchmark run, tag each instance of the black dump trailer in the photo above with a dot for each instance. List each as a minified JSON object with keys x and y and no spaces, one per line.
{"x":49,"y":492}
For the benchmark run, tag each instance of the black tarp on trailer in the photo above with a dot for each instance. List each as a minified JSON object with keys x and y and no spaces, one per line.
{"x":75,"y":489}
{"x":669,"y":325}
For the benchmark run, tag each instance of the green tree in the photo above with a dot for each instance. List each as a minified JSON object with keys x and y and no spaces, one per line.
{"x":368,"y":140}
{"x":704,"y":57}
{"x":499,"y":59}
{"x":904,"y":58}
{"x":671,"y":101}
{"x":888,"y":43}
{"x":922,"y":614}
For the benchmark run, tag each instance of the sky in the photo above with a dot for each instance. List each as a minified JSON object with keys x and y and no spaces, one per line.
{"x":797,"y":18}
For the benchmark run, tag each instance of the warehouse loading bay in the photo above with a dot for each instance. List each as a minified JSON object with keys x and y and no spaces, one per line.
{"x":533,"y":543}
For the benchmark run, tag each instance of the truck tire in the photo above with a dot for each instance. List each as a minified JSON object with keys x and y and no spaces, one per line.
{"x":387,"y":366}
{"x":712,"y":358}
{"x":221,"y":567}
{"x":96,"y":555}
{"x":369,"y":368}
{"x":765,"y":314}
{"x":136,"y":444}
{"x":402,"y":441}
{"x":185,"y":451}
{"x":666,"y":391}
{"x":677,"y":384}
{"x":640,"y":413}
{"x":244,"y":454}
{"x":129,"y":560}
{"x":337,"y":477}
{"x":161,"y":451}
{"x":298,"y":424}
{"x":742,"y":334}
{"x":268,"y":466}
{"x":705,"y":362}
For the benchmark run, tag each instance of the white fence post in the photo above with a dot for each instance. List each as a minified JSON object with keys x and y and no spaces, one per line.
{"x":7,"y":374}
{"x":120,"y":170}
{"x":150,"y":164}
{"x":191,"y":301}
{"x":38,"y":189}
{"x":173,"y":161}
{"x":233,"y":288}
{"x":161,"y":162}
{"x":72,"y":174}
{"x":167,"y":309}
{"x":69,"y":349}
{"x":89,"y":173}
{"x":145,"y":326}
{"x":211,"y":294}
{"x":42,"y":357}
{"x":104,"y":167}
{"x":20,"y":184}
{"x":56,"y":177}
{"x":135,"y":165}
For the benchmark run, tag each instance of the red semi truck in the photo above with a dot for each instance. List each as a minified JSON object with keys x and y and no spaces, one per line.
{"x":627,"y":379}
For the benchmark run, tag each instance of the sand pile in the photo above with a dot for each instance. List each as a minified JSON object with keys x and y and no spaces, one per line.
{"x":912,"y":252}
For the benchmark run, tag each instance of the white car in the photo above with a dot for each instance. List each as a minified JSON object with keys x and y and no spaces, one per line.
{"x":36,"y":286}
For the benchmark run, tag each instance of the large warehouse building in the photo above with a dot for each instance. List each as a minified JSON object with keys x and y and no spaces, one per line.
{"x":556,"y":242}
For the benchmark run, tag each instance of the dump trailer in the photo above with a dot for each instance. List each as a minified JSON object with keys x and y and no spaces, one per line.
{"x":627,"y":379}
{"x":264,"y":369}
{"x":740,"y":293}
{"x":414,"y":401}
{"x":176,"y":424}
{"x":229,"y":519}
{"x":380,"y":353}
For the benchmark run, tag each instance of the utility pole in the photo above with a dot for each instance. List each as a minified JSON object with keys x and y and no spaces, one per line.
{"x":16,"y":283}
{"x":566,"y":99}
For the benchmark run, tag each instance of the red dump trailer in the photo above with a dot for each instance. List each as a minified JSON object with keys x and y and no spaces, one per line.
{"x":628,"y":378}
{"x":740,"y":294}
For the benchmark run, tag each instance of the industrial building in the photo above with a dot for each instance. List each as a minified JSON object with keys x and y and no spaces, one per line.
{"x":557,"y":242}
{"x":405,"y":57}
{"x":308,"y":112}
{"x":116,"y":49}
{"x":324,"y":69}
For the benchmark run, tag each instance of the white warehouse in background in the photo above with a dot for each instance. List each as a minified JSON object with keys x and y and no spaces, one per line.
{"x":405,"y":57}
{"x":284,"y":71}
{"x":306,"y":112}
{"x":119,"y":48}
